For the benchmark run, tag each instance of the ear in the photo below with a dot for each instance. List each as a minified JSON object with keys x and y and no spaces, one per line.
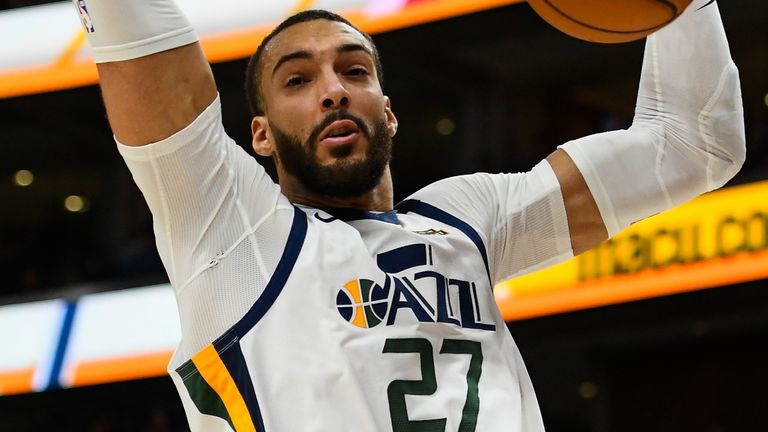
{"x":391,"y":119}
{"x":262,"y":142}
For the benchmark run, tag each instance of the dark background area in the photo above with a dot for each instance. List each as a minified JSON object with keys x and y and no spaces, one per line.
{"x":12,"y":4}
{"x":513,"y":89}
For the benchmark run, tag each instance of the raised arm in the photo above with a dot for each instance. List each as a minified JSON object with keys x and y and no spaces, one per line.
{"x":154,"y":77}
{"x":687,"y":136}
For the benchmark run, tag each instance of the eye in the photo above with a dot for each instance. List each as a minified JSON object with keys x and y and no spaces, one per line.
{"x":356,"y":71}
{"x":295,"y":81}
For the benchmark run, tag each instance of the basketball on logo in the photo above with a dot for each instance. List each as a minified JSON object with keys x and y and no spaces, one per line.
{"x":363,"y":302}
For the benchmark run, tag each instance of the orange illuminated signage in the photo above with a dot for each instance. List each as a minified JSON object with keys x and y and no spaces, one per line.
{"x":718,"y":239}
{"x":59,"y":58}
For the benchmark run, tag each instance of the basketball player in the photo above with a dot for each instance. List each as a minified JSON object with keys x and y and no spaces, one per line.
{"x":320,"y":305}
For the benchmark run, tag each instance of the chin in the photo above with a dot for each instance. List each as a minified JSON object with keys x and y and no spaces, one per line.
{"x":342,"y":154}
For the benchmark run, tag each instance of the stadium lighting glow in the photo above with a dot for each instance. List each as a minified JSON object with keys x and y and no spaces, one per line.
{"x":23,"y":178}
{"x":588,"y":390}
{"x":76,"y":204}
{"x":445,"y":126}
{"x":766,"y":99}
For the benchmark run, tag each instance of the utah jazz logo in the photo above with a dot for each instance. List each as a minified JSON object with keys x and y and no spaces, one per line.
{"x":363,"y":302}
{"x":426,"y":295}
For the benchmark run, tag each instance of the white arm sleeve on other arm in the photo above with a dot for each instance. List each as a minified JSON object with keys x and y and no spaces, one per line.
{"x":126,"y":29}
{"x":687,"y":136}
{"x":521,"y":217}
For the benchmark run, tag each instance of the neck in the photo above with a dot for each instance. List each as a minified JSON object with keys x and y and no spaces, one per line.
{"x":380,"y":198}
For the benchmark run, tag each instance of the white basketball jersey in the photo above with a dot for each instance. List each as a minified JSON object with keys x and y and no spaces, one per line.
{"x":367,"y":321}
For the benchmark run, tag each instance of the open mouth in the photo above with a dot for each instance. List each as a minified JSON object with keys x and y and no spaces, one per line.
{"x":340,"y":132}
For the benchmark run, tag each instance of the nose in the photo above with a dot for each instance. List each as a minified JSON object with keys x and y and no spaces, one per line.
{"x":335,"y":95}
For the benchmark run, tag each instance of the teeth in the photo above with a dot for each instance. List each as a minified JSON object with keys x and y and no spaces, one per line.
{"x":339,"y":133}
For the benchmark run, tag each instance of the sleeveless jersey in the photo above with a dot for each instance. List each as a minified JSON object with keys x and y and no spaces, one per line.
{"x":366,"y":321}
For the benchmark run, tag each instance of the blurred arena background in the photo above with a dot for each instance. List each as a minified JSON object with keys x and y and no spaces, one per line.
{"x":663,"y":329}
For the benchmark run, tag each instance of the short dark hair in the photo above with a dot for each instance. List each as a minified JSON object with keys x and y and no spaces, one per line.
{"x":254,"y":71}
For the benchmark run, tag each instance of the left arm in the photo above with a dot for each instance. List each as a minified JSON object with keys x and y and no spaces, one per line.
{"x":585,"y":225}
{"x":687,"y":136}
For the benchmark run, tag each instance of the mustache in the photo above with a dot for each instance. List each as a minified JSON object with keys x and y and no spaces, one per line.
{"x":332,"y":117}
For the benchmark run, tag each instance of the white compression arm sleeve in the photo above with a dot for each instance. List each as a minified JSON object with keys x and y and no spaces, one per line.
{"x":687,"y":136}
{"x":126,"y":29}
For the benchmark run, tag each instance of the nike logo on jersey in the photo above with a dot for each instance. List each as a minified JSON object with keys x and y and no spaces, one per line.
{"x":326,"y":220}
{"x":710,"y":2}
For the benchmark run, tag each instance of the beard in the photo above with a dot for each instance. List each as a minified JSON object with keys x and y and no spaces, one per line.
{"x":343,"y":178}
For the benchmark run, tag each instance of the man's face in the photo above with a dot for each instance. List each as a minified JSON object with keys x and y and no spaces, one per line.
{"x":326,"y":115}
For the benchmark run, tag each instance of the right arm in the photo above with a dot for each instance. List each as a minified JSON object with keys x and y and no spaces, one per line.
{"x":154,"y":77}
{"x":219,"y":220}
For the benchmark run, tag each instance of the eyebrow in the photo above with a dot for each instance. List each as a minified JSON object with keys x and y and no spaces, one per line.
{"x":352,"y":47}
{"x":304,"y":54}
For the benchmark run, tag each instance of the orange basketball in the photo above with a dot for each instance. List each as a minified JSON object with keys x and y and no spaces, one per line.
{"x":609,"y":21}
